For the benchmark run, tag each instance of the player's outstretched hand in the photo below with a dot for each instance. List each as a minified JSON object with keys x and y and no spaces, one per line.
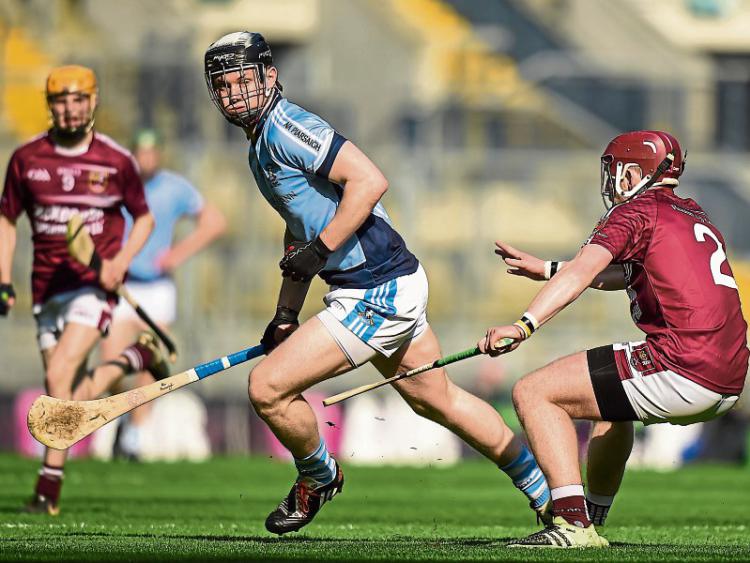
{"x":112,"y":273}
{"x":520,"y":263}
{"x":7,"y":298}
{"x":487,"y":345}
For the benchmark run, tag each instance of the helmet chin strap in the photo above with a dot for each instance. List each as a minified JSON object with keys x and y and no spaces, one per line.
{"x":664,"y":165}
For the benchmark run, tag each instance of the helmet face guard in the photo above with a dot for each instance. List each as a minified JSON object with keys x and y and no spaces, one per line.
{"x":67,"y":80}
{"x":223,"y":94}
{"x":607,"y":182}
{"x":236,"y":74}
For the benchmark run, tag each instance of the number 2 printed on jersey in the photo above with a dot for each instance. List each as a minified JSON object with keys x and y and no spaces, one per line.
{"x":717,"y":258}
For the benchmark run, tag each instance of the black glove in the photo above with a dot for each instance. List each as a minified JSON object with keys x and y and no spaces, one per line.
{"x":284,"y":316}
{"x":6,"y":293}
{"x":304,"y":259}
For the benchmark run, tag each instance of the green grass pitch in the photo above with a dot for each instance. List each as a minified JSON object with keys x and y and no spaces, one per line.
{"x":215,"y":510}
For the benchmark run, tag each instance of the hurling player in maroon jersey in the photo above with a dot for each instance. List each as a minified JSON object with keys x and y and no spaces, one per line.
{"x":70,"y":170}
{"x":671,"y":260}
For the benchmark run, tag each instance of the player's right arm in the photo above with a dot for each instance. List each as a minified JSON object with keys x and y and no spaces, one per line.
{"x":529,"y":266}
{"x":7,"y":249}
{"x":291,"y":299}
{"x":11,"y":205}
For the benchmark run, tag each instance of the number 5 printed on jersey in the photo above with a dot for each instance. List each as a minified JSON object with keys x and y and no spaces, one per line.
{"x":717,"y":258}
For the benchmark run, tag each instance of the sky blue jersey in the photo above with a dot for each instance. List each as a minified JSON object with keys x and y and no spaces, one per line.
{"x":290,"y":161}
{"x":170,"y":197}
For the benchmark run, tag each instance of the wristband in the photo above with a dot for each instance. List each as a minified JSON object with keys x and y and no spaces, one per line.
{"x":551,"y":267}
{"x":527,"y":324}
{"x":321,"y":248}
{"x":285,"y":315}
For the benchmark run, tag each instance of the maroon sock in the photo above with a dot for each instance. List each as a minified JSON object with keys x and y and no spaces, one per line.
{"x":138,"y":356}
{"x":49,"y":482}
{"x":573,"y":510}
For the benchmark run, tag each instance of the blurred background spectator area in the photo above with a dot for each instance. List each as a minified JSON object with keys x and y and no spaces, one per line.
{"x":487,"y":116}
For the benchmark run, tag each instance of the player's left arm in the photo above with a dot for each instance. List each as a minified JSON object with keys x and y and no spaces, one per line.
{"x":210,"y":224}
{"x":558,"y":293}
{"x":363,"y":185}
{"x":7,"y":249}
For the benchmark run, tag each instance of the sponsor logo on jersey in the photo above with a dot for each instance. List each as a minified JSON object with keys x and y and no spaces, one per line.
{"x":53,"y":219}
{"x":39,"y":175}
{"x":311,"y":142}
{"x":698,"y":215}
{"x":270,"y":172}
{"x":286,"y":198}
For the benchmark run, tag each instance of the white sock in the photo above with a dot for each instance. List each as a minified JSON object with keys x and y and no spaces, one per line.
{"x":567,"y":491}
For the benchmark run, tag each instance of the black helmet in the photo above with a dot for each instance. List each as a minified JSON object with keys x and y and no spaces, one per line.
{"x":239,"y":51}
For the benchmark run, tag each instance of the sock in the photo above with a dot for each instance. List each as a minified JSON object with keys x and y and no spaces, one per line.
{"x":568,"y":503}
{"x":49,"y":482}
{"x":598,"y":507}
{"x":139,"y":358}
{"x":319,"y":465}
{"x":528,"y":478}
{"x":130,"y":438}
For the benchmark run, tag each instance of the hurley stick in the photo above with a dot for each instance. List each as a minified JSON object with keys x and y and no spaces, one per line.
{"x":59,"y":424}
{"x":470,"y":353}
{"x":81,"y":247}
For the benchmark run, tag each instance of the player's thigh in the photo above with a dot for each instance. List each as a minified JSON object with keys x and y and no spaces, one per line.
{"x":565,"y":382}
{"x":427,"y":387}
{"x":308,"y":356}
{"x":122,"y":333}
{"x":72,"y":349}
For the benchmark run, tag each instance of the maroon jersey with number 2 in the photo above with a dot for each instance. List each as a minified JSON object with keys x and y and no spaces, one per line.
{"x":51,"y":184}
{"x":681,"y":288}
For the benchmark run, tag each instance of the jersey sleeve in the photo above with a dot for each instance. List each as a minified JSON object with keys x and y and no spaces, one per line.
{"x":306,"y":143}
{"x":624,"y":231}
{"x":11,"y":202}
{"x":134,"y":196}
{"x":190,"y":199}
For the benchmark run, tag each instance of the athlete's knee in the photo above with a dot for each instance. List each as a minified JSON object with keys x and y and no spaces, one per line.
{"x":524,"y":395}
{"x":59,"y":379}
{"x":265,"y":397}
{"x":430,"y":402}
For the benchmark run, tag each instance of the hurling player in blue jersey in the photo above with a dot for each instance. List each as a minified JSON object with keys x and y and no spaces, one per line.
{"x":328,"y":193}
{"x":171,"y":198}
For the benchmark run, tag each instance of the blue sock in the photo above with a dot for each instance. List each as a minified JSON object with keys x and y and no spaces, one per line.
{"x":319,"y":465}
{"x":528,"y":478}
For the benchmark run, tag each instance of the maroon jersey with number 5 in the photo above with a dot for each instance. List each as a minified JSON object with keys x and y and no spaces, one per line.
{"x":52,"y":184}
{"x":682,"y":291}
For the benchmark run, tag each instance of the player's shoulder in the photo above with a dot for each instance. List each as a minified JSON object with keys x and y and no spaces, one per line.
{"x":287,"y":117}
{"x":108,"y":145}
{"x":645,"y":205}
{"x":170,"y":179}
{"x":676,"y":206}
{"x":32,"y":146}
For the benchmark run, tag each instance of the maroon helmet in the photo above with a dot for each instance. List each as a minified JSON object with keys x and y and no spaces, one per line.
{"x":656,"y":153}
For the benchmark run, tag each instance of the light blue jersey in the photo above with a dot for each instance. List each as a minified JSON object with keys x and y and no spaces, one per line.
{"x":290,"y":161}
{"x":170,"y":197}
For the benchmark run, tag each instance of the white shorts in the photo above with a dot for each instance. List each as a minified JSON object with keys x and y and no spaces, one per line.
{"x":629,"y":386}
{"x":158,"y":298}
{"x":379,"y":320}
{"x":87,"y":306}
